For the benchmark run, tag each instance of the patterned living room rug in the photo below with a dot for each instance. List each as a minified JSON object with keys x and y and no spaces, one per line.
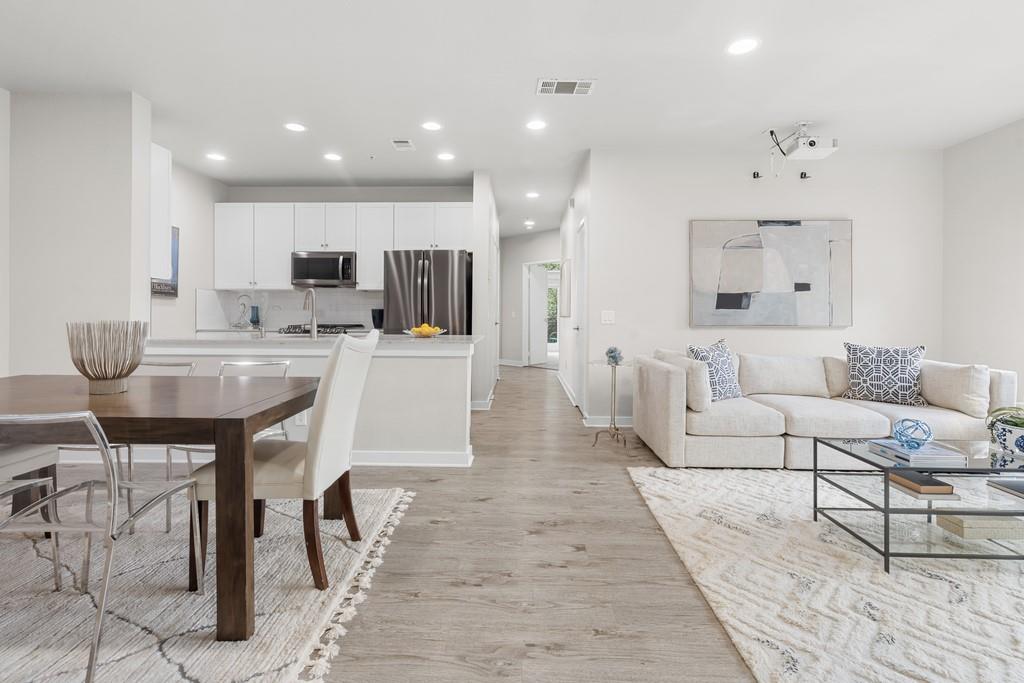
{"x":805,"y":601}
{"x":155,"y":630}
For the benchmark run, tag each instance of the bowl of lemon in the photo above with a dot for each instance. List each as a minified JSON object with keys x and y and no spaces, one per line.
{"x":425,"y":330}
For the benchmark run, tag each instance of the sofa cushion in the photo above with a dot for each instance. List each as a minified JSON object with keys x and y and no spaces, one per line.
{"x":826,"y":417}
{"x":800,"y":456}
{"x":734,"y":451}
{"x":959,"y":387}
{"x":793,"y":375}
{"x":721,"y":369}
{"x":891,"y":374}
{"x":837,"y":374}
{"x":736,"y":417}
{"x":945,"y":423}
{"x":698,"y":384}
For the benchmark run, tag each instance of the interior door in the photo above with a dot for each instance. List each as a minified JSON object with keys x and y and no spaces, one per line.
{"x":273,"y":238}
{"x":414,"y":226}
{"x":309,"y":227}
{"x":453,"y":226}
{"x":375,"y":234}
{"x":537,"y":314}
{"x":340,"y":227}
{"x":232,"y":246}
{"x":579,"y":318}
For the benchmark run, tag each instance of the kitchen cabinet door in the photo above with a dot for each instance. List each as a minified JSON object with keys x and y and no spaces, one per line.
{"x":414,"y":226}
{"x":273,"y":237}
{"x":375,"y":234}
{"x":454,"y":226}
{"x":232,"y":246}
{"x":340,"y":231}
{"x":309,"y":227}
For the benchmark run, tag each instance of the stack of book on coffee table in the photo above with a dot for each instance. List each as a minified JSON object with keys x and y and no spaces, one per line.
{"x":929,"y":455}
{"x":978,"y":527}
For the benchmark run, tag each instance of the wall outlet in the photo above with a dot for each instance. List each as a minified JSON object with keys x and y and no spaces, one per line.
{"x":607,"y":317}
{"x":302,"y":419}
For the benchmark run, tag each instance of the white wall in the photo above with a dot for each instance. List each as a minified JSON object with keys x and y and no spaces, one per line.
{"x":984,"y":239}
{"x":192,"y":199}
{"x":459,"y":193}
{"x":486,"y":279}
{"x":639,"y":264}
{"x":5,"y":232}
{"x":515,"y":251}
{"x":73,"y":221}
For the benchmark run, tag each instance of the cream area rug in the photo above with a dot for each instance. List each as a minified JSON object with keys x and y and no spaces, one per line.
{"x":804,"y":601}
{"x":156,"y":631}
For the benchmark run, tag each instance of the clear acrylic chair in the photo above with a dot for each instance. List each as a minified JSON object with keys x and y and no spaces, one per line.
{"x":243,"y":368}
{"x":82,"y":427}
{"x":12,"y":487}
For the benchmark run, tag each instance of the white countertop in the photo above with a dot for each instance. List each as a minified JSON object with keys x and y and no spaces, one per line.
{"x":296,"y":345}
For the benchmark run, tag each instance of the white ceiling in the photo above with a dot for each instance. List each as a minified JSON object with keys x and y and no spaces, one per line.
{"x":226,"y":75}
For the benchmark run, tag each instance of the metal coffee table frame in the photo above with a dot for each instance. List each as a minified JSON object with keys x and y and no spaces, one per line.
{"x":886,"y":510}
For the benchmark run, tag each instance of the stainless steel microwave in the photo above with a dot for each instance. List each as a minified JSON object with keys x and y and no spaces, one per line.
{"x":324,"y":268}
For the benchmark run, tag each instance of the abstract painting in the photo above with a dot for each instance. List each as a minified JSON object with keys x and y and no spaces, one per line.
{"x":771,"y":273}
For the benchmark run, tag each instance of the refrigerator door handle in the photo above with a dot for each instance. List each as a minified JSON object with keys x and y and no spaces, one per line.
{"x":419,"y":293}
{"x":428,"y":294}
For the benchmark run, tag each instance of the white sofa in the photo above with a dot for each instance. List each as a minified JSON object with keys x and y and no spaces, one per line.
{"x":789,"y":400}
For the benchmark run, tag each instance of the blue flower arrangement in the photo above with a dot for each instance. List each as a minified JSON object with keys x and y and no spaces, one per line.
{"x":613,"y":355}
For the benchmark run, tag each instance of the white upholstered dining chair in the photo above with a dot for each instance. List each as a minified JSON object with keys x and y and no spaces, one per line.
{"x":305,"y":470}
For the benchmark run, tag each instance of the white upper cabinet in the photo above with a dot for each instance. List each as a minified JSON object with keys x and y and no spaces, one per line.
{"x":414,"y":226}
{"x":232,"y":246}
{"x":340,"y":227}
{"x":310,"y":220}
{"x":453,"y":226}
{"x":273,"y":237}
{"x":375,"y":234}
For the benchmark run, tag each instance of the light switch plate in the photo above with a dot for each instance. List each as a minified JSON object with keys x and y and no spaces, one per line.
{"x":607,"y":317}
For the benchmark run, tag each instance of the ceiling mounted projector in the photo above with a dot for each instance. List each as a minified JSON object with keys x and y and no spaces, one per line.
{"x":802,"y":147}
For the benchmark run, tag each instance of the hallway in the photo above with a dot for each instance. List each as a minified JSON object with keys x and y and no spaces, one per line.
{"x":539,"y":563}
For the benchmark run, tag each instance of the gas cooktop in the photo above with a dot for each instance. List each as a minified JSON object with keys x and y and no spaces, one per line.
{"x":323,"y":328}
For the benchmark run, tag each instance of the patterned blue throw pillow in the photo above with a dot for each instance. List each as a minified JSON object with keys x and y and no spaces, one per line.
{"x":721,"y":372}
{"x":887,"y":374}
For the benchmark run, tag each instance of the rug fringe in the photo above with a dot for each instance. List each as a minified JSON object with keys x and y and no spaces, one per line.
{"x":318,"y":662}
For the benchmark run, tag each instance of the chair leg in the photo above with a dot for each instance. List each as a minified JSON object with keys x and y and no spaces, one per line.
{"x":170,"y":475}
{"x":83,"y":579}
{"x":198,"y":532}
{"x":101,"y":606}
{"x":314,"y":551}
{"x":259,"y":516}
{"x":54,"y":538}
{"x":345,"y":492}
{"x":131,"y":477}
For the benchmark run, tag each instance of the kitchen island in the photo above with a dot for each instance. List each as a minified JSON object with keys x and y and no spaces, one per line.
{"x":416,"y":405}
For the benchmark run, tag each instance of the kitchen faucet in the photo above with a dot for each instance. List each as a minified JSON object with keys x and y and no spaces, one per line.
{"x":309,"y":304}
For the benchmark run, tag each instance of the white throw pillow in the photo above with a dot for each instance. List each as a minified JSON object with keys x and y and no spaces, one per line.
{"x":837,"y":374}
{"x":957,"y":387}
{"x":791,"y":375}
{"x":698,"y":383}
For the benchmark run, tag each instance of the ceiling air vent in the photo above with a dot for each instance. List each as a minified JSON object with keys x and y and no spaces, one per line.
{"x":403,"y":145}
{"x":555,"y":86}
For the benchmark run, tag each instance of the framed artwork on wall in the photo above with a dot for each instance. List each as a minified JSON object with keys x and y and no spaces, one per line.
{"x":169,"y":287}
{"x":771,"y":273}
{"x":565,"y":289}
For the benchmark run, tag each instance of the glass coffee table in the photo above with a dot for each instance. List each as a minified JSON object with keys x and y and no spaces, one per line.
{"x":896,"y":522}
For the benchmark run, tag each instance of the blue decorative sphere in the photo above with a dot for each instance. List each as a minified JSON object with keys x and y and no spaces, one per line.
{"x":912,"y":434}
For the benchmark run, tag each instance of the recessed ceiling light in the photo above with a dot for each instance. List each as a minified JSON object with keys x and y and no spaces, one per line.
{"x":295,"y":127}
{"x":528,"y":224}
{"x":532,"y":195}
{"x":742,"y":46}
{"x":537,"y":124}
{"x":432,"y":125}
{"x":445,"y":156}
{"x":216,"y":156}
{"x":331,"y":156}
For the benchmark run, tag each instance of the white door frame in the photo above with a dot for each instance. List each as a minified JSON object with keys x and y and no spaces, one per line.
{"x":524,"y":309}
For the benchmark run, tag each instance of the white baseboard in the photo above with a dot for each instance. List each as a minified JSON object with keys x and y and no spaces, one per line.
{"x":513,"y":363}
{"x":566,"y":388}
{"x":482,"y":405}
{"x":605,"y":420}
{"x":413,"y":458}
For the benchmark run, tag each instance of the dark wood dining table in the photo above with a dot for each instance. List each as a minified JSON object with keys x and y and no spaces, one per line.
{"x":224,"y":411}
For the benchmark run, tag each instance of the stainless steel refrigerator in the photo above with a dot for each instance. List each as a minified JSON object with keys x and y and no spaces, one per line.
{"x":428,"y":286}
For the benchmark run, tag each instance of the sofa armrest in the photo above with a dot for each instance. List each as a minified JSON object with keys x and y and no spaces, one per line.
{"x":1002,"y":388}
{"x":659,"y":408}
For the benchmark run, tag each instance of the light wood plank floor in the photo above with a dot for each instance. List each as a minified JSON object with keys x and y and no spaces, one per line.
{"x":540,"y":563}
